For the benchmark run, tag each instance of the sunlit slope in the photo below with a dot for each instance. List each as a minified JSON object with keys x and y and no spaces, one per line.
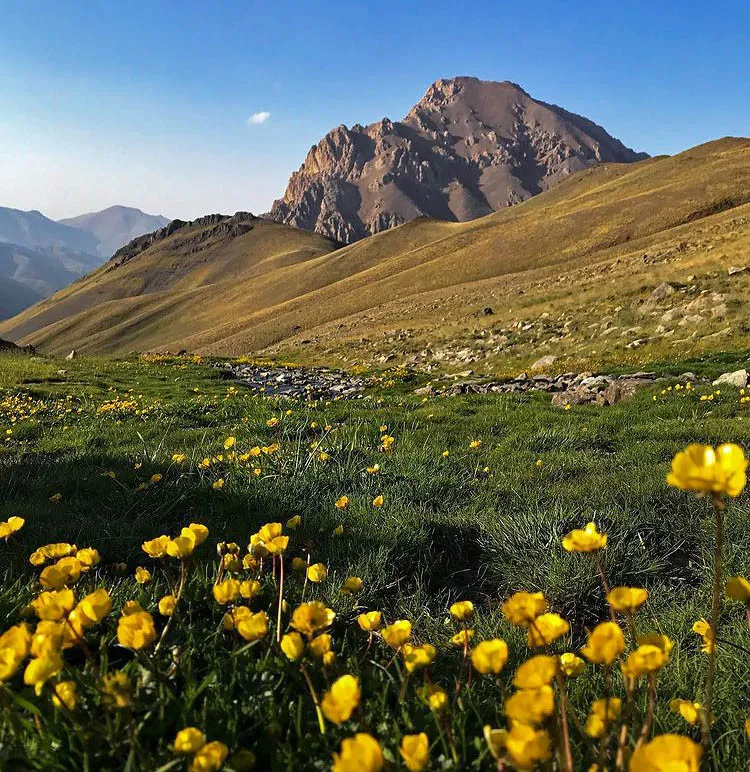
{"x":277,"y":286}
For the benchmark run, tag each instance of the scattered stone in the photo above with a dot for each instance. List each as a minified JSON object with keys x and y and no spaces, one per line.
{"x":545,"y":361}
{"x":737,"y":379}
{"x":309,"y":383}
{"x":73,"y":354}
{"x":733,"y":270}
{"x":663,"y":291}
{"x":425,"y":391}
{"x":488,"y":311}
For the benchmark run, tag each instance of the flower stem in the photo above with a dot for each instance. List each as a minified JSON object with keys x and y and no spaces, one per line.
{"x":281,"y":598}
{"x":316,"y":701}
{"x":568,"y":756}
{"x":718,"y":505}
{"x":180,"y":590}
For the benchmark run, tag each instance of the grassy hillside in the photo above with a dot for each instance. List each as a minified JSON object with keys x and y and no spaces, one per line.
{"x":574,"y":263}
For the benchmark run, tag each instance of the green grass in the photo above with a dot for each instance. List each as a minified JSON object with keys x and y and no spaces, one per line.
{"x":448,"y":530}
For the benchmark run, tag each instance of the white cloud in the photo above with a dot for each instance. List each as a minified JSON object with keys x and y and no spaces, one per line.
{"x":257,"y":118}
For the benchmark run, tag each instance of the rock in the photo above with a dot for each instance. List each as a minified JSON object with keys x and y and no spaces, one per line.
{"x":464,"y":135}
{"x":488,"y":311}
{"x":73,"y":354}
{"x":734,"y":270}
{"x":738,"y":379}
{"x":545,"y":361}
{"x":578,"y":395}
{"x":616,"y":392}
{"x":663,"y":291}
{"x":8,"y":347}
{"x":424,"y":391}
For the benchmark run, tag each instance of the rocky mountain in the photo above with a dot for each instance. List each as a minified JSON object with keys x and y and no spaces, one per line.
{"x":467,"y":148}
{"x":115,"y":226}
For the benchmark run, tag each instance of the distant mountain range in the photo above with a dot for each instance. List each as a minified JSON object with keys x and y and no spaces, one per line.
{"x":115,"y":226}
{"x":39,"y":256}
{"x":466,"y":149}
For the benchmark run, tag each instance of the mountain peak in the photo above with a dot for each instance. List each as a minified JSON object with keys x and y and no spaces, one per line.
{"x":468,"y":147}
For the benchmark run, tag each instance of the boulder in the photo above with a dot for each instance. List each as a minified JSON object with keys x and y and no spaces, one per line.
{"x":544,"y":362}
{"x":616,"y":392}
{"x":579,"y":395}
{"x":663,"y":291}
{"x":73,"y":354}
{"x":738,"y":379}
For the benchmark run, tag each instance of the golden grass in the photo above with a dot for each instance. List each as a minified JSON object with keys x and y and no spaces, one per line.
{"x":575,"y":250}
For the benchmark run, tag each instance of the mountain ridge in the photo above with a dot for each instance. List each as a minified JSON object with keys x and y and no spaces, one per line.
{"x":552,"y":271}
{"x":115,"y":226}
{"x":465,"y":149}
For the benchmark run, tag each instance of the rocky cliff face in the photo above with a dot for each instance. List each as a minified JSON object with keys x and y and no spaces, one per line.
{"x":466,"y":149}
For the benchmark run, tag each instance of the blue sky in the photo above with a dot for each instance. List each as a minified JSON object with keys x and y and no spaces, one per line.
{"x":147,"y":103}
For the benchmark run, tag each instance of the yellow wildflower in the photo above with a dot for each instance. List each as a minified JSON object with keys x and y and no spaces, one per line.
{"x":254,"y":627}
{"x":227,"y":591}
{"x":462,"y":610}
{"x":341,"y":699}
{"x":415,"y":751}
{"x":527,"y":746}
{"x":156,"y":548}
{"x":64,"y":693}
{"x":546,"y":629}
{"x":704,"y":629}
{"x":351,"y":586}
{"x":585,"y":540}
{"x":490,"y":656}
{"x":703,"y":469}
{"x":397,"y":634}
{"x":142,"y":575}
{"x":523,"y":608}
{"x":417,"y":657}
{"x":690,"y":711}
{"x":210,"y":758}
{"x":136,"y":631}
{"x":10,"y":526}
{"x":167,"y":605}
{"x":188,"y":741}
{"x":310,"y":618}
{"x":293,"y":646}
{"x":360,"y":753}
{"x":54,"y":605}
{"x":626,"y":600}
{"x":738,"y":588}
{"x":117,"y":690}
{"x":530,"y":706}
{"x":41,"y":669}
{"x":462,"y":638}
{"x":645,"y":659}
{"x":603,"y":713}
{"x":317,"y":573}
{"x":666,"y":753}
{"x":535,"y":672}
{"x":605,"y":644}
{"x":571,"y":665}
{"x":370,"y":620}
